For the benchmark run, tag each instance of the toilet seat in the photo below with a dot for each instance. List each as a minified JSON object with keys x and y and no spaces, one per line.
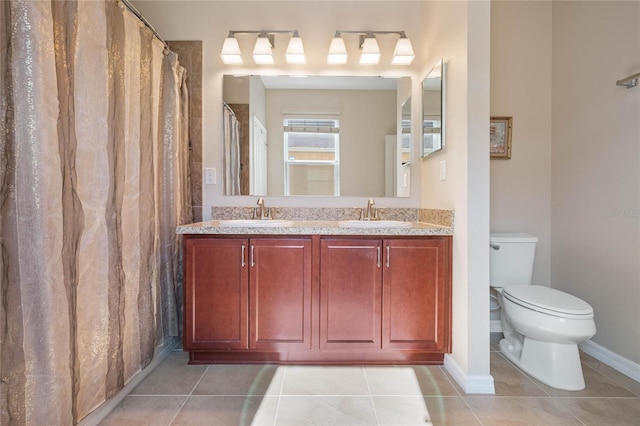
{"x":548,"y":301}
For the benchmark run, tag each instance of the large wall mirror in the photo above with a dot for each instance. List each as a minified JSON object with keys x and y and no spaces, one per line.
{"x":433,"y":110}
{"x":317,"y":135}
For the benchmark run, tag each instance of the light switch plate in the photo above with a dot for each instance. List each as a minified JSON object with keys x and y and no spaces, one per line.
{"x":443,"y":170}
{"x":210,"y":176}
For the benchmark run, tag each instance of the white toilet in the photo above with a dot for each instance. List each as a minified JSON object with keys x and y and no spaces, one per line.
{"x":542,"y":326}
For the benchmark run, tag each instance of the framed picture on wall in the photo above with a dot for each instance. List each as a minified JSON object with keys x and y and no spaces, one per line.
{"x":500,"y":138}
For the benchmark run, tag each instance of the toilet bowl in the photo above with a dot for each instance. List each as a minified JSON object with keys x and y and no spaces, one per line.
{"x":542,"y":326}
{"x":543,"y":340}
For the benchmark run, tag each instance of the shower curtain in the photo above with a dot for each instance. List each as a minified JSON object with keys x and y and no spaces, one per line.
{"x":231,"y":152}
{"x":93,"y":181}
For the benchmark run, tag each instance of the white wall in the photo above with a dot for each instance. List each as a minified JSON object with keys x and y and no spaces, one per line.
{"x":521,"y":88}
{"x":236,"y":90}
{"x":595,"y":179}
{"x":459,"y":32}
{"x":317,"y":22}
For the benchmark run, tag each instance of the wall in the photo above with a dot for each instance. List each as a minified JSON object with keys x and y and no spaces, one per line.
{"x":595,"y":244}
{"x":210,"y":21}
{"x":521,"y":88}
{"x":366,"y":116}
{"x":459,"y":33}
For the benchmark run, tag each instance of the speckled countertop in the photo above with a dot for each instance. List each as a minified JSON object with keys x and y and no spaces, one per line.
{"x":313,"y":227}
{"x":325,"y":221}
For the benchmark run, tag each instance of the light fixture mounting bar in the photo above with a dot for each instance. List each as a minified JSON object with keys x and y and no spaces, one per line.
{"x":264,"y":33}
{"x":369,"y":34}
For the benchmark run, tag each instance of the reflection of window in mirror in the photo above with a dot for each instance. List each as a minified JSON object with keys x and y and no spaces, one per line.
{"x":311,"y":156}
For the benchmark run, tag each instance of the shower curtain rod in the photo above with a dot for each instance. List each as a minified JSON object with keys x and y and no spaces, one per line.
{"x":144,"y":21}
{"x":629,"y":82}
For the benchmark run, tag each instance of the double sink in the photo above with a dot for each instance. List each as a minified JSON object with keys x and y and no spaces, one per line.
{"x":274,"y":223}
{"x":368,"y":219}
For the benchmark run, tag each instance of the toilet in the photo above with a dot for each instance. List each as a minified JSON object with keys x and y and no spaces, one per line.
{"x":542,"y":326}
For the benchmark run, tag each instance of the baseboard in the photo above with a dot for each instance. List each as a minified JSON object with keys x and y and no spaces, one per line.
{"x":612,"y":359}
{"x":469,"y":384}
{"x":100,"y":413}
{"x":495,"y":326}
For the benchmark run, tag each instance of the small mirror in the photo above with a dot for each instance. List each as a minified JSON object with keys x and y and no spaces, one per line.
{"x":433,"y":110}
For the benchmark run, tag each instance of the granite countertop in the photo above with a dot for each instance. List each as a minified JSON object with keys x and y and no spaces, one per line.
{"x":314,"y":227}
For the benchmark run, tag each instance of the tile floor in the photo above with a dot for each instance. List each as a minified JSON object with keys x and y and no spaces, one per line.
{"x":179,"y":394}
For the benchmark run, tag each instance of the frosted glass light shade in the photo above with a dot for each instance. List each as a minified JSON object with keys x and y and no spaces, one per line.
{"x":231,"y":51}
{"x":295,"y":51}
{"x":262,"y":51}
{"x":370,"y":52}
{"x":403,"y":54}
{"x":337,"y":51}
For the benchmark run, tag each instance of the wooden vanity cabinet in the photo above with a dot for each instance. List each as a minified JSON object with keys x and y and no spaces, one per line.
{"x":216,"y":293}
{"x":317,"y":299}
{"x":384,"y":294}
{"x":247,"y":293}
{"x":416,"y":295}
{"x":350,"y":293}
{"x":280,"y":294}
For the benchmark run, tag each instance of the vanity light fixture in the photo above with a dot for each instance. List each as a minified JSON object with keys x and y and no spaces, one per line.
{"x":262,"y":50}
{"x":231,"y":50}
{"x":370,"y":55}
{"x":337,"y":50}
{"x":370,"y":51}
{"x":262,"y":53}
{"x":403,"y":53}
{"x":295,"y":51}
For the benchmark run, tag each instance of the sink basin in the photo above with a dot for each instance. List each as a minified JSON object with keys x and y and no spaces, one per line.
{"x":373,"y":224}
{"x":255,"y":223}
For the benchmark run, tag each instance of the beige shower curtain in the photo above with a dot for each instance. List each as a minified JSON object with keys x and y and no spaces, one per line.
{"x":93,"y":181}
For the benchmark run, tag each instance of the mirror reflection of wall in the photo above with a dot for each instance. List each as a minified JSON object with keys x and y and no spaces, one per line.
{"x":324,"y":135}
{"x":433,"y":110}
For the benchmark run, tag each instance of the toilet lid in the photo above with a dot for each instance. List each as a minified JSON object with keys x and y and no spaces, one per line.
{"x":549,"y":301}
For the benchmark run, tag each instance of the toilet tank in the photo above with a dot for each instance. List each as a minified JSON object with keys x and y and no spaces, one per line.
{"x":512,"y":256}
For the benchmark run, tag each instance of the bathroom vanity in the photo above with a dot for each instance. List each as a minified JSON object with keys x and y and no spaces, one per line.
{"x":316,"y":292}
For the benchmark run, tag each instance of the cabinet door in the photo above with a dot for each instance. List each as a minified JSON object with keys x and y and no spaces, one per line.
{"x":216,"y":294}
{"x":280,"y":294}
{"x":416,"y":291}
{"x":350,"y":293}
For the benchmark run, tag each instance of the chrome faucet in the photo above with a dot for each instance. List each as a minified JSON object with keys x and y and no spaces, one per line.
{"x":371,"y":213}
{"x":261,"y":212}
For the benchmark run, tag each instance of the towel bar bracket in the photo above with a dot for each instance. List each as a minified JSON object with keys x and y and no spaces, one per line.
{"x":629,"y":82}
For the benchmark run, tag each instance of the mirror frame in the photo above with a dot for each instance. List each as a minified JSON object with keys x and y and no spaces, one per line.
{"x":438,"y":70}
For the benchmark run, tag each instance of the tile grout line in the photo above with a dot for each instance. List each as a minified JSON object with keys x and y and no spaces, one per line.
{"x":284,"y":377}
{"x":570,"y":412}
{"x":446,"y":376}
{"x":189,"y":396}
{"x":597,"y":370}
{"x":473,"y":412}
{"x":373,"y":405}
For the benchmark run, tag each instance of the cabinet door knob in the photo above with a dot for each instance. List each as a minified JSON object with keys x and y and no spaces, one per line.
{"x":243,"y":264}
{"x":378,"y":256}
{"x":388,"y":256}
